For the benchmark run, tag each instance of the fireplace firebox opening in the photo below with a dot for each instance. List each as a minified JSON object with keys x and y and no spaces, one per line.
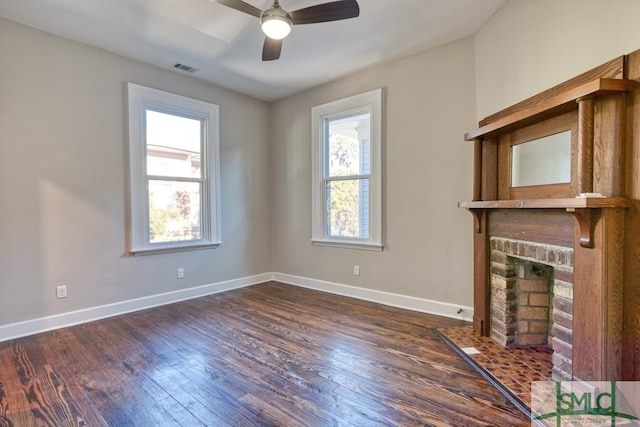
{"x":532,"y":298}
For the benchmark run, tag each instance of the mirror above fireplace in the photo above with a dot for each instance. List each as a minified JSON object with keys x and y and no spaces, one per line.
{"x":545,"y":160}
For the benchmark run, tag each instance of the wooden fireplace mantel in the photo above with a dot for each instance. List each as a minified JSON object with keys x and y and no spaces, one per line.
{"x":601,"y":110}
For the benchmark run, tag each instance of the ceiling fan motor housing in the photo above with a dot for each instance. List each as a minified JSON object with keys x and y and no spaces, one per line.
{"x":276,"y":23}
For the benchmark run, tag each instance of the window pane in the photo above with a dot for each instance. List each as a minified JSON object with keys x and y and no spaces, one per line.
{"x":348,"y":146}
{"x":173,"y":145}
{"x":174,"y":211}
{"x":348,"y":208}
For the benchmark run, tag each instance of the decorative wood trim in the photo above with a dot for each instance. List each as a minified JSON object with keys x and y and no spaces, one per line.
{"x":610,"y":145}
{"x":586,"y":218}
{"x":585,"y":144}
{"x":489,"y":173}
{"x":478,"y":217}
{"x":554,"y":106}
{"x":585,"y":210}
{"x":553,"y":125}
{"x":477,"y":170}
{"x":545,"y":226}
{"x":597,"y":304}
{"x":481,"y":280}
{"x":631,"y":327}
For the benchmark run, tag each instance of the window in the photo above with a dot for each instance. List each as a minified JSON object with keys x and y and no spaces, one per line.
{"x":347,"y":182}
{"x":173,"y":154}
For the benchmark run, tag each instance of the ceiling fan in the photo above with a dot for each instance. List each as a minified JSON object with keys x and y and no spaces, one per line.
{"x":276,"y":22}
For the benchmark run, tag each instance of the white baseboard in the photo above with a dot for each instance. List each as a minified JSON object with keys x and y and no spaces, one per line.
{"x":43,"y":324}
{"x":48,"y":323}
{"x":387,"y":298}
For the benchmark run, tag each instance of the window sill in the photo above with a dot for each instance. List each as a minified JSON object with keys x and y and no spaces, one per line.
{"x":176,"y":248}
{"x":349,"y":244}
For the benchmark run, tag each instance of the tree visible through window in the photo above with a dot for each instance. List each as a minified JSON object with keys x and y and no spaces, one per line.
{"x":347,"y":176}
{"x":174,"y":171}
{"x":174,"y":177}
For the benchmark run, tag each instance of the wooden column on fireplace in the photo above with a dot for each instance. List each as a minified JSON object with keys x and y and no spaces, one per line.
{"x":594,"y":210}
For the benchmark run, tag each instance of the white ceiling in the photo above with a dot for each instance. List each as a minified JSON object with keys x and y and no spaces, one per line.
{"x":226,"y":45}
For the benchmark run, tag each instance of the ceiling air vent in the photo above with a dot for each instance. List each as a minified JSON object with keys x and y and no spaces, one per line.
{"x":186,"y":68}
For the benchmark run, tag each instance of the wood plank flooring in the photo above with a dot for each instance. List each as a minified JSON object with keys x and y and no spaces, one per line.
{"x":267,"y":355}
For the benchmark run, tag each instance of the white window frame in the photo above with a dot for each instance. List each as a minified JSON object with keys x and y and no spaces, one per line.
{"x":365,"y":102}
{"x":141,"y":99}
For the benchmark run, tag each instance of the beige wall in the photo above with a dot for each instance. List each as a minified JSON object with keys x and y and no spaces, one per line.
{"x":63,"y":164}
{"x":427,"y":170}
{"x":529,"y":46}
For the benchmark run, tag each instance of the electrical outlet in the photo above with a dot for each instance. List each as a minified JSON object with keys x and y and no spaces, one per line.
{"x":61,"y":291}
{"x":180,"y":273}
{"x":356,"y":270}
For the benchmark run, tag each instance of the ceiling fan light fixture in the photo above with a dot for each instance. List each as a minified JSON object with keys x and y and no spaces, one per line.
{"x":276,"y":23}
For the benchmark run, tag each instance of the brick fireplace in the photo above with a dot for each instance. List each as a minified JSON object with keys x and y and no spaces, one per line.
{"x":556,"y":262}
{"x":531,"y":298}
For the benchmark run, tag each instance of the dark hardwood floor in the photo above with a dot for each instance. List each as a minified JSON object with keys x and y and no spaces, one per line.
{"x":267,"y":355}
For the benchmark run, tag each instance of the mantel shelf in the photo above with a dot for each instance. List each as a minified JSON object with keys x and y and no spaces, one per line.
{"x":552,"y":106}
{"x":564,"y":203}
{"x":586,"y":210}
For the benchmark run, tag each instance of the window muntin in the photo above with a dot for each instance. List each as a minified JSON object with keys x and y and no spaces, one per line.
{"x":174,"y":171}
{"x":347,"y":175}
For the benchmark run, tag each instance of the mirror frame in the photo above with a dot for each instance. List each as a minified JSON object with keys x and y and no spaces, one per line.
{"x":560,"y":123}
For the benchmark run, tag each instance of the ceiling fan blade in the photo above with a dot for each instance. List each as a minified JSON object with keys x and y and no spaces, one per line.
{"x":271,"y":49}
{"x":241,"y":6}
{"x":332,"y":11}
